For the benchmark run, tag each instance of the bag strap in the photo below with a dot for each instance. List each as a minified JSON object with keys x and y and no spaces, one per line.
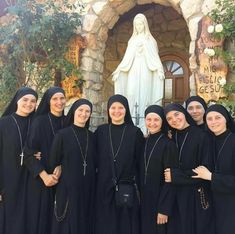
{"x":112,"y":156}
{"x":114,"y":176}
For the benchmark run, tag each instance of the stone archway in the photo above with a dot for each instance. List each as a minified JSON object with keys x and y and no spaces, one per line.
{"x":103,"y":15}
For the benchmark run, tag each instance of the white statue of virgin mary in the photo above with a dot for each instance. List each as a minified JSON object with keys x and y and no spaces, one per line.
{"x":140,"y":75}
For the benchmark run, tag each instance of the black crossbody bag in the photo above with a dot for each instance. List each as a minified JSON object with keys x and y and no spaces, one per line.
{"x":124,"y":190}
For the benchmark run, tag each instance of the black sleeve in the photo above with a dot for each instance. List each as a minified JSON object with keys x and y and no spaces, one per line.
{"x":223,"y":183}
{"x":96,"y":160}
{"x":184,"y":177}
{"x":139,"y":144}
{"x":56,"y":153}
{"x":205,"y":151}
{"x":171,"y":157}
{"x":167,"y":194}
{"x":33,"y":146}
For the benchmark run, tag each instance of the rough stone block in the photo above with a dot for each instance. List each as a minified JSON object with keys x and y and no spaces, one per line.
{"x":158,"y":19}
{"x":113,"y":21}
{"x":87,"y":64}
{"x":90,"y":53}
{"x":111,"y":65}
{"x":96,"y":87}
{"x":193,"y":26}
{"x":170,"y":14}
{"x":176,"y":25}
{"x":125,"y":6}
{"x":208,"y":6}
{"x":116,"y":3}
{"x":91,"y":41}
{"x":89,"y":22}
{"x":162,"y":2}
{"x":121,"y":49}
{"x":103,"y":34}
{"x":142,"y":2}
{"x":190,"y":8}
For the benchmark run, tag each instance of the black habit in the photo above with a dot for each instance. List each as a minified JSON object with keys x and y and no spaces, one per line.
{"x":14,"y":177}
{"x":40,"y":198}
{"x":193,"y":207}
{"x":156,"y":195}
{"x":74,"y":149}
{"x":14,"y":130}
{"x":223,"y":174}
{"x":223,"y":182}
{"x":192,"y":212}
{"x":111,"y":219}
{"x":74,"y":206}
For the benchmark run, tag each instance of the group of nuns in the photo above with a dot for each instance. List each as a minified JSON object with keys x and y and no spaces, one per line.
{"x":57,"y":177}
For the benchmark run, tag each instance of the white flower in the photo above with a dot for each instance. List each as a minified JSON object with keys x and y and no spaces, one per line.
{"x":206,"y":51}
{"x":209,"y":52}
{"x":219,"y":28}
{"x":210,"y":29}
{"x":222,"y":82}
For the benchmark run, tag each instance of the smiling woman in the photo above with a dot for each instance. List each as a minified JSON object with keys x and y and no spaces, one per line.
{"x":57,"y":103}
{"x":26,"y":105}
{"x":193,"y":149}
{"x":196,"y":107}
{"x":74,"y":150}
{"x":117,"y":113}
{"x":14,"y":129}
{"x":49,"y":119}
{"x":222,"y":175}
{"x":81,"y":115}
{"x":156,"y":196}
{"x":118,"y":145}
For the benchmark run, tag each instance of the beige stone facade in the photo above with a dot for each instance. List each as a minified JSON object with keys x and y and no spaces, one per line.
{"x":108,"y":26}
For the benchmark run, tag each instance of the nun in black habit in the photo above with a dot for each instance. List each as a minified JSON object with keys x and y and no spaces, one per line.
{"x":196,"y":107}
{"x":222,"y":175}
{"x":14,"y":129}
{"x":74,"y":149}
{"x":192,"y":213}
{"x":157,"y":197}
{"x":118,"y":145}
{"x":49,"y":118}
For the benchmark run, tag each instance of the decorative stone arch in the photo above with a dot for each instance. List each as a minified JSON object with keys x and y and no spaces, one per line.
{"x":101,"y":16}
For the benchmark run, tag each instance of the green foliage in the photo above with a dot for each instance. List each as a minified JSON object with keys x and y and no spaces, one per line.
{"x":229,"y":105}
{"x":228,"y":57}
{"x":35,"y":43}
{"x":224,"y":14}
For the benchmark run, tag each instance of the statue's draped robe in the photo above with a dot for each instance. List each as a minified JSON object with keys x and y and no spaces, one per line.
{"x":138,"y":75}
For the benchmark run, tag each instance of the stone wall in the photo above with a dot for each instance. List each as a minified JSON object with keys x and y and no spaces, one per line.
{"x":102,"y":16}
{"x":166,"y":25}
{"x":100,"y":26}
